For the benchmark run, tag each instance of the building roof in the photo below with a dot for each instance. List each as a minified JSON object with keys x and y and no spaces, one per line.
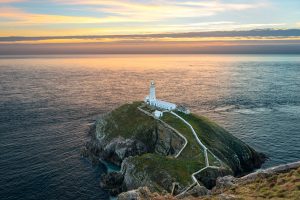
{"x":165,"y":102}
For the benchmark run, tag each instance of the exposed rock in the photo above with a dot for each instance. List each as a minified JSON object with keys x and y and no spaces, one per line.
{"x":167,"y":142}
{"x":227,"y":182}
{"x":267,"y":172}
{"x":224,"y":182}
{"x":119,"y":149}
{"x":227,"y":197}
{"x":160,"y":140}
{"x":113,"y":182}
{"x":209,"y":175}
{"x":134,"y":178}
{"x":196,"y":191}
{"x":142,"y":193}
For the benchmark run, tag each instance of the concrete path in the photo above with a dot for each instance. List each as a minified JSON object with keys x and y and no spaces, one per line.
{"x":205,"y":149}
{"x":170,"y":127}
{"x":196,"y":136}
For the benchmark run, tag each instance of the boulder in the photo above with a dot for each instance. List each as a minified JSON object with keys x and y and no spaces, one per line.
{"x":195,"y":191}
{"x":223,"y":183}
{"x":119,"y":148}
{"x":112,"y":182}
{"x":209,"y":175}
{"x":142,"y":193}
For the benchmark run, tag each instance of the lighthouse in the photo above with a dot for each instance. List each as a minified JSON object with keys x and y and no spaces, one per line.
{"x":152,"y":97}
{"x":152,"y":101}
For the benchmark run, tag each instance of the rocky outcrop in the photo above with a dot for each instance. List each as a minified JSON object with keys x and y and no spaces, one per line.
{"x":209,"y":175}
{"x":160,"y":140}
{"x":226,"y":182}
{"x":195,"y":191}
{"x":113,"y":182}
{"x":120,"y":148}
{"x":134,"y":178}
{"x":143,"y":193}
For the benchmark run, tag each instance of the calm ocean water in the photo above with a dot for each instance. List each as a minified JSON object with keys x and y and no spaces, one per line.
{"x":47,"y":102}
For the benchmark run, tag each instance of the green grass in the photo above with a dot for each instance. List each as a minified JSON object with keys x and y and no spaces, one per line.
{"x":277,"y":186}
{"x":127,"y":121}
{"x":283,"y":186}
{"x":148,"y":108}
{"x":179,"y":168}
{"x":216,"y":138}
{"x":193,"y":149}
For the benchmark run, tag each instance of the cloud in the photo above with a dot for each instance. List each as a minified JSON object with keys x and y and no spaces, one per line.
{"x":219,"y":6}
{"x":19,"y":17}
{"x":161,"y":9}
{"x":153,"y":47}
{"x":272,"y":34}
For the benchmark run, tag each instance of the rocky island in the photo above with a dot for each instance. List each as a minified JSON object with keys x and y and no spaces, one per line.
{"x":163,"y":154}
{"x":166,"y":148}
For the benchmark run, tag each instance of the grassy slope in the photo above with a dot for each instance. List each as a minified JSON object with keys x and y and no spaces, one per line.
{"x":179,"y":168}
{"x":217,"y":139}
{"x":193,"y":148}
{"x":277,"y":186}
{"x":283,"y":186}
{"x":127,"y":121}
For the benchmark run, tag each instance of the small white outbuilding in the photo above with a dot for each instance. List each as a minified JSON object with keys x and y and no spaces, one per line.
{"x":158,"y":113}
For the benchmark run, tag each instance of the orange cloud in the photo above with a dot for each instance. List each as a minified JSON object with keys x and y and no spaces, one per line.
{"x":20,"y":17}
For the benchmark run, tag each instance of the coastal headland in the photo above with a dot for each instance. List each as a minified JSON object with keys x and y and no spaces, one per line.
{"x":164,"y":154}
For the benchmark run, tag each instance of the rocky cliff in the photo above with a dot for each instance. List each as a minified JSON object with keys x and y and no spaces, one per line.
{"x":144,"y":148}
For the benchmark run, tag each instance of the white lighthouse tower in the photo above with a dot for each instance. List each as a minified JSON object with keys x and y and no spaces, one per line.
{"x":152,"y":97}
{"x":152,"y":101}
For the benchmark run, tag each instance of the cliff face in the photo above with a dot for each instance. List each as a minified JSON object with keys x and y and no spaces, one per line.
{"x":127,"y":132}
{"x":145,"y":149}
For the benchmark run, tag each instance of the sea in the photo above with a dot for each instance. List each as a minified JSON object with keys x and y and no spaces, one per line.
{"x":47,"y":104}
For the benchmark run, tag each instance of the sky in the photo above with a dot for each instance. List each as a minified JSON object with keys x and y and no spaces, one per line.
{"x":140,"y":26}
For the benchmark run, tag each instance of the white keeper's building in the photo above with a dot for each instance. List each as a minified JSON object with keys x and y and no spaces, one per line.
{"x":152,"y":101}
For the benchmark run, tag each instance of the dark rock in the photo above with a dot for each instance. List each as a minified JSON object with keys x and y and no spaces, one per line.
{"x":195,"y":191}
{"x":227,"y":197}
{"x":223,"y":183}
{"x":142,"y":193}
{"x":209,"y":175}
{"x":119,"y":149}
{"x":113,"y":182}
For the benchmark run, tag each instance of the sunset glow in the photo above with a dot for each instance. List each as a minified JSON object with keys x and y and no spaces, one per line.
{"x":143,"y":22}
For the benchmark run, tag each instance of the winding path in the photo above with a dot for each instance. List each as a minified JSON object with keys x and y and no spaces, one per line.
{"x":195,"y":135}
{"x":205,"y":149}
{"x":170,"y":127}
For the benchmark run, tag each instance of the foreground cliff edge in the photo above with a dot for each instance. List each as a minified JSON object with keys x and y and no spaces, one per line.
{"x":280,"y":182}
{"x":152,"y":153}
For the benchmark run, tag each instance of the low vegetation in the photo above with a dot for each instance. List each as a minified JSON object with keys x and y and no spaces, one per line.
{"x":130,"y":123}
{"x":179,"y":168}
{"x":277,"y":186}
{"x":224,"y":145}
{"x":127,"y":121}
